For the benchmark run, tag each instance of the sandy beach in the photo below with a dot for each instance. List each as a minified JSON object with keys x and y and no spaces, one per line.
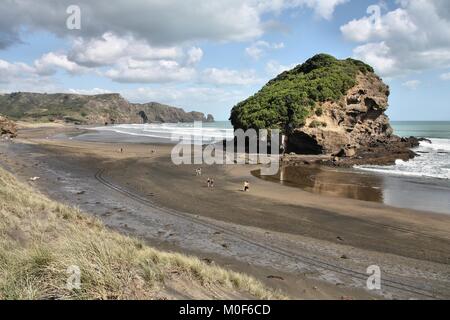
{"x":309,"y":245}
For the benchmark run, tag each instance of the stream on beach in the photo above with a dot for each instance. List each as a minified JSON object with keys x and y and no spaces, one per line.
{"x":422,"y":183}
{"x":426,"y":194}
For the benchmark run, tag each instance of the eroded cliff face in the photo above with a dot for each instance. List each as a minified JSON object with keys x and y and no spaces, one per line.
{"x":94,"y":109}
{"x":7,"y":128}
{"x":342,"y":128}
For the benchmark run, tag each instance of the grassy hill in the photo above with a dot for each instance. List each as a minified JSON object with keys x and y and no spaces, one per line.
{"x":84,"y":109}
{"x":40,"y":239}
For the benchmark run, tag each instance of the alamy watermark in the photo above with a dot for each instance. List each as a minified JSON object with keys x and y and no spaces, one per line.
{"x":374,"y":280}
{"x":73,"y":21}
{"x":74,"y":278}
{"x":247,"y":147}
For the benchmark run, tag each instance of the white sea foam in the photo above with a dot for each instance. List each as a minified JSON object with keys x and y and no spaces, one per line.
{"x":433,"y":161}
{"x":169,"y":130}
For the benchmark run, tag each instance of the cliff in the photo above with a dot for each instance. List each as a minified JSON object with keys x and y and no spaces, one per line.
{"x":7,"y":128}
{"x":327,"y":106}
{"x":95,"y":109}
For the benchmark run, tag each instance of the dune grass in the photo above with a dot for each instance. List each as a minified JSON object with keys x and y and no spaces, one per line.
{"x":40,"y":239}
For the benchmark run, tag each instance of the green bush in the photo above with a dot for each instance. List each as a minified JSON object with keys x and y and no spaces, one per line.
{"x":319,"y":112}
{"x":293,"y":95}
{"x":317,"y":124}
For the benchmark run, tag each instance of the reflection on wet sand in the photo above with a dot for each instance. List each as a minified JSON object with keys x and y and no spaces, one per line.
{"x":424,"y":194}
{"x":330,"y":182}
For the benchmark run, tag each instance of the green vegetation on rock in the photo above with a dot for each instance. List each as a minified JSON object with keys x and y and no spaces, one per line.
{"x":86,"y":109}
{"x":293,"y":95}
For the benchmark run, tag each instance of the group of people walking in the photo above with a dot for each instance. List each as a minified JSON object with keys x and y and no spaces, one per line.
{"x":210,"y":181}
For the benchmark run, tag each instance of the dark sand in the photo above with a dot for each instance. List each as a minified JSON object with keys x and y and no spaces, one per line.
{"x":428,"y":194}
{"x":411,"y":247}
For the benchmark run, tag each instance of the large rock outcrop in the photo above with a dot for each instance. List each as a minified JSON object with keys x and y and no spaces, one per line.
{"x":95,"y":109}
{"x":327,"y":106}
{"x":344,"y":126}
{"x":7,"y":128}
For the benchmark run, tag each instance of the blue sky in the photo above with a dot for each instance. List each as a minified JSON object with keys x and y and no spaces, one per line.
{"x":209,"y":55}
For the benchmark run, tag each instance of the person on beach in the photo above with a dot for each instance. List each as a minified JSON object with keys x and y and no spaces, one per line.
{"x":212,"y":183}
{"x":246,"y":186}
{"x":208,"y":182}
{"x":121,"y":150}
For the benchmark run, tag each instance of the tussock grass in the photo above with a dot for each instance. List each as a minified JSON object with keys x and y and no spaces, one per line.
{"x":40,"y":239}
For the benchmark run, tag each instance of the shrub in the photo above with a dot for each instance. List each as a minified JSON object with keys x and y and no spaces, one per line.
{"x":317,"y":124}
{"x":319,"y":112}
{"x":289,"y":97}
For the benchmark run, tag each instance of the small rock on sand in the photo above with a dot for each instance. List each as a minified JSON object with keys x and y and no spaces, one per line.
{"x":207,"y":260}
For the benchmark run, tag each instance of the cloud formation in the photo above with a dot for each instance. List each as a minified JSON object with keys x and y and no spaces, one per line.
{"x":411,"y":38}
{"x":159,"y":23}
{"x":257,"y":49}
{"x":274,"y":68}
{"x":229,"y":77}
{"x":445,"y":76}
{"x":412,"y":84}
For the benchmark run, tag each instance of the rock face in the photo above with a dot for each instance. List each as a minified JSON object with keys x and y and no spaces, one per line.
{"x":96,"y":109}
{"x":210,"y":118}
{"x":343,"y":127}
{"x":7,"y":128}
{"x":328,"y":107}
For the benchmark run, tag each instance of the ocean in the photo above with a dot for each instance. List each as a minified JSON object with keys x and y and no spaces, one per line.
{"x":433,"y":162}
{"x":434,"y":158}
{"x":421,"y":183}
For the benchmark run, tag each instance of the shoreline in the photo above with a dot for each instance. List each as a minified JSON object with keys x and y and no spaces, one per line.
{"x":320,"y":174}
{"x":315,"y":225}
{"x":400,"y":191}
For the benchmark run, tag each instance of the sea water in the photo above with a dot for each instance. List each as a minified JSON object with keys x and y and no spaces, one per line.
{"x":169,"y":132}
{"x":433,"y":158}
{"x":422,"y":183}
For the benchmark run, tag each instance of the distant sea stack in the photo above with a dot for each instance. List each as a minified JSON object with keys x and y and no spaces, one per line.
{"x":328,"y":106}
{"x":95,"y":109}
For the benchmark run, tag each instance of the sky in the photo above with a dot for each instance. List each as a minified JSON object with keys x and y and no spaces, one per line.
{"x":209,"y":55}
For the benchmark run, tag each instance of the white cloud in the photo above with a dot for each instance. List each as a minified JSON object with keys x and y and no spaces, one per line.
{"x":274,"y":68}
{"x":322,"y":8}
{"x":49,"y":62}
{"x":411,"y":38}
{"x":325,"y":8}
{"x":109,"y":48}
{"x":229,"y":77}
{"x":129,"y":60}
{"x":257,"y":49}
{"x":445,"y":76}
{"x":160,"y":23}
{"x":88,"y":92}
{"x":157,"y":71}
{"x":183,"y":96}
{"x":14,"y":71}
{"x":19,"y":76}
{"x":379,"y":56}
{"x":194,"y":56}
{"x":412,"y":84}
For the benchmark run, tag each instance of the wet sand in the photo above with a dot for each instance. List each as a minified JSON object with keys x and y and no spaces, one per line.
{"x":428,"y":194}
{"x":410,"y":246}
